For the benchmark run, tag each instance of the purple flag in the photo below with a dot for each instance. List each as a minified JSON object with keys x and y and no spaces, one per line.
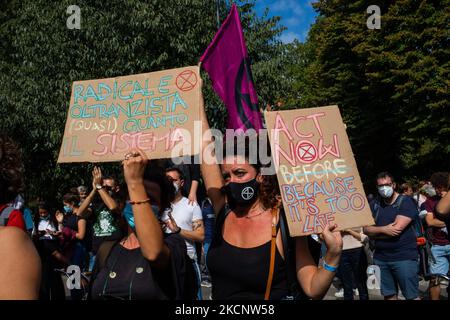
{"x":228,"y":65}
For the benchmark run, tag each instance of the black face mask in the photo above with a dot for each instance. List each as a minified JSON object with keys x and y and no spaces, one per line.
{"x":241,"y":194}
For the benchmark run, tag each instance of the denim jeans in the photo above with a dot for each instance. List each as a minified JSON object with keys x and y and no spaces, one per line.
{"x":403,"y":274}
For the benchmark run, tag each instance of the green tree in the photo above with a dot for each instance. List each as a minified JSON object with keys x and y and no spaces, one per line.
{"x":391,"y":84}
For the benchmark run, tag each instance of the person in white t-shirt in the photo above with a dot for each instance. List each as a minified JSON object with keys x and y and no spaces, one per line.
{"x":186,"y":219}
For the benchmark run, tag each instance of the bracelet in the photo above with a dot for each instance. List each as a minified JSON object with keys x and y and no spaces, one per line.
{"x":329,"y":268}
{"x":139,"y":202}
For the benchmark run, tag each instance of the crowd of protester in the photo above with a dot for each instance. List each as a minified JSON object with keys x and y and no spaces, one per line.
{"x":163,"y":230}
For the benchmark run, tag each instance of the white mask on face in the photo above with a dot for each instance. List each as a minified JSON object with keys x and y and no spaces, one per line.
{"x":385,"y":191}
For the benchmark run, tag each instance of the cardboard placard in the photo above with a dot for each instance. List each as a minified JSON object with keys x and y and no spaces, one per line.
{"x":316,"y":170}
{"x":155,"y":112}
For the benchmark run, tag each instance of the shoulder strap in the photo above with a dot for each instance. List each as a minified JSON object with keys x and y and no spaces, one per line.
{"x":376,"y":209}
{"x":399,"y":201}
{"x":221,"y":217}
{"x":4,"y":216}
{"x":273,"y":246}
{"x":103,"y":253}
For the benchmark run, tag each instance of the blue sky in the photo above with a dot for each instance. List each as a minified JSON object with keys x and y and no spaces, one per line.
{"x":296,"y":15}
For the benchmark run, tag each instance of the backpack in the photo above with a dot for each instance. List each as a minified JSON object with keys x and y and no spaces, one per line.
{"x":295,"y":290}
{"x":4,"y":215}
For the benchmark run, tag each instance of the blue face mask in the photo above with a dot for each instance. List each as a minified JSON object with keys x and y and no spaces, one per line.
{"x":45,"y":218}
{"x":67,"y":209}
{"x":129,"y":217}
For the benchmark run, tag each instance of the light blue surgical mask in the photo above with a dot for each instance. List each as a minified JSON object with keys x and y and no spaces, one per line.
{"x":68,"y":209}
{"x":45,"y":218}
{"x":129,"y":217}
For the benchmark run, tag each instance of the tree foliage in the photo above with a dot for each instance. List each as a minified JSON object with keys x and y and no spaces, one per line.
{"x":391,"y":84}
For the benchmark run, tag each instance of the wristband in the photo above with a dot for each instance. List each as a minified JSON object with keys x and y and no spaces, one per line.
{"x":329,"y":268}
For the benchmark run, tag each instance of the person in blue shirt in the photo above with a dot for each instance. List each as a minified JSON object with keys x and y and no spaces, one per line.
{"x":396,"y":252}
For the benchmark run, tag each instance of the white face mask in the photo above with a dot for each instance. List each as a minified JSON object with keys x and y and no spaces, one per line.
{"x":385,"y":191}
{"x":177,"y":187}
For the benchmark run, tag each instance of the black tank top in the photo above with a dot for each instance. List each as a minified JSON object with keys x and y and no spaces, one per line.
{"x":241,"y":273}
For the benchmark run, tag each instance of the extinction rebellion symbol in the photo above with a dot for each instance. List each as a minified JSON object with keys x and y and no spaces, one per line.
{"x":247,"y":193}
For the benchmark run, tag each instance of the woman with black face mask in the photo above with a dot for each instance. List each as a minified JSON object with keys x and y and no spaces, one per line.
{"x":246,"y":259}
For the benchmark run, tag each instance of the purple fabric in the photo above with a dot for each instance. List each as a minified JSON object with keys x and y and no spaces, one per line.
{"x":227,"y":63}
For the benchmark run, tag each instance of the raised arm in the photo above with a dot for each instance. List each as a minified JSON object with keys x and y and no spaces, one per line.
{"x":209,"y":167}
{"x":314,"y":280}
{"x":20,"y":269}
{"x":433,"y":222}
{"x":148,"y":229}
{"x":443,"y":206}
{"x":84,"y":211}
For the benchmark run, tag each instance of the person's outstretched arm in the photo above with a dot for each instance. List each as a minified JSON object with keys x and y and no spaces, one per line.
{"x":314,"y":280}
{"x":443,"y":206}
{"x":20,"y":270}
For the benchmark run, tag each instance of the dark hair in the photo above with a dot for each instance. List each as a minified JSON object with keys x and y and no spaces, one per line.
{"x":385,"y":174}
{"x":11,"y":169}
{"x":269,"y":191}
{"x":71,"y":198}
{"x":157,"y":175}
{"x":440,"y":180}
{"x":180,"y":173}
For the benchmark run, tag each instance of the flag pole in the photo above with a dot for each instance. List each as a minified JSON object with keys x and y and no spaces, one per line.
{"x":217,"y":13}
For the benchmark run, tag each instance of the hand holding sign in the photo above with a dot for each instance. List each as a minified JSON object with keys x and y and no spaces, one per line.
{"x":154,"y":112}
{"x":333,"y":240}
{"x":96,"y":177}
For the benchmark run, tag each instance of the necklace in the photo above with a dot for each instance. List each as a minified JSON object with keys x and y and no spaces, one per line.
{"x":255,"y":215}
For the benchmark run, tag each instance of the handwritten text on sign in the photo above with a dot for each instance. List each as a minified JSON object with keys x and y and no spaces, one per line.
{"x":151,"y":111}
{"x":318,"y":177}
